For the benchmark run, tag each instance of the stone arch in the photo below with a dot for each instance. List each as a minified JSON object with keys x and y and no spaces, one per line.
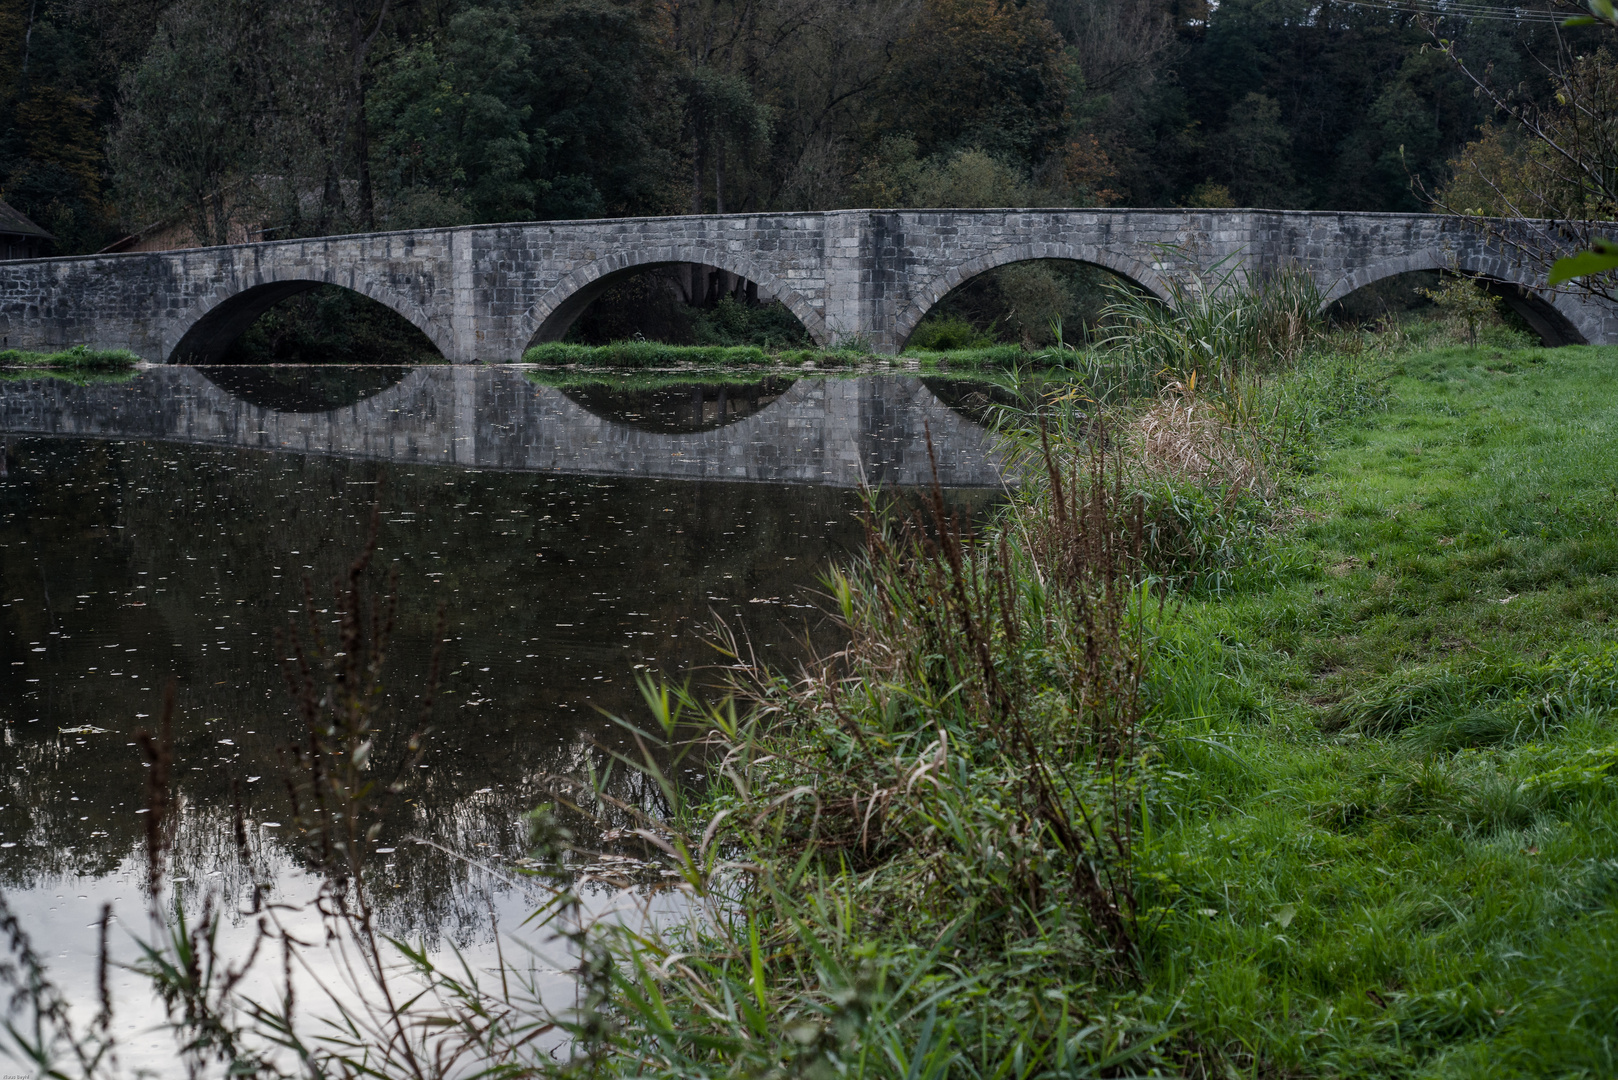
{"x":207,"y":328}
{"x":940,"y":286}
{"x":556,"y":311}
{"x":1556,"y":324}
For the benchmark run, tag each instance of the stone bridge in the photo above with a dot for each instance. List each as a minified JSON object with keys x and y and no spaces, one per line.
{"x":487,"y":292}
{"x":840,"y":432}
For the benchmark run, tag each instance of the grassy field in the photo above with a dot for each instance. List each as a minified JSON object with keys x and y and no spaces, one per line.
{"x":1389,"y":745}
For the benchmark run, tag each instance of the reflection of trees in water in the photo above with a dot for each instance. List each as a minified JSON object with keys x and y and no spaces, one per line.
{"x":679,"y":407}
{"x":634,"y":566}
{"x":303,"y":389}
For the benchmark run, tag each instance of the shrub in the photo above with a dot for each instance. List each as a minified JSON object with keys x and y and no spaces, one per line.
{"x":938,"y":335}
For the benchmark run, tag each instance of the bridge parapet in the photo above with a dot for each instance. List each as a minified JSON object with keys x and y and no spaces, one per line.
{"x":488,"y":292}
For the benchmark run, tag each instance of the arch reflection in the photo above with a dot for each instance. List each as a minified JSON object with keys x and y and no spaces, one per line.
{"x":679,"y":407}
{"x":304,"y":389}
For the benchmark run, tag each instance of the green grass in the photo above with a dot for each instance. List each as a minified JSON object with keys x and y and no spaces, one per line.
{"x":1389,"y":787}
{"x":639,"y":354}
{"x":78,"y":358}
{"x":1377,"y":805}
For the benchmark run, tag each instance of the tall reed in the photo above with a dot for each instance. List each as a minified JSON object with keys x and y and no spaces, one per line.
{"x":1215,"y":326}
{"x":962,"y":780}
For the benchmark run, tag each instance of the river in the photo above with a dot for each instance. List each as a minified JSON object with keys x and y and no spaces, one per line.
{"x":166,"y":526}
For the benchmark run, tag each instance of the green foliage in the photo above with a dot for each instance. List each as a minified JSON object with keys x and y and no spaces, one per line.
{"x":606,"y":109}
{"x":978,"y":74}
{"x":1020,"y":303}
{"x":1601,"y":257}
{"x":1256,"y":148}
{"x":1217,"y":327}
{"x":302,"y":119}
{"x":186,"y":132}
{"x":936,"y":335}
{"x":332,"y":325}
{"x":640,"y":379}
{"x":984,"y":357}
{"x":733,"y":322}
{"x":453,"y":143}
{"x":895,"y":176}
{"x":78,"y":358}
{"x":1466,"y":302}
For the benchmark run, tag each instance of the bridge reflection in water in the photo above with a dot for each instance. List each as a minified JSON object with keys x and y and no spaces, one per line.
{"x":832,"y":431}
{"x":163,"y":527}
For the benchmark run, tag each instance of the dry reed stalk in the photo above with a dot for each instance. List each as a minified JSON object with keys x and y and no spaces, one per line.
{"x":1182,"y":436}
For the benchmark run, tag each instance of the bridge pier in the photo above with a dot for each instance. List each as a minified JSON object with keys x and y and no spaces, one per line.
{"x":867,"y":277}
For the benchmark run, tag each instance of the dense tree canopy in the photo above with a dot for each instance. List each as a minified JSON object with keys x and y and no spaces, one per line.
{"x":314,"y":116}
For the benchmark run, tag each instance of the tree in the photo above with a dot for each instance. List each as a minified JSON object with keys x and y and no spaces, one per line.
{"x":989,"y":74}
{"x":453,"y":144}
{"x":608,"y":107}
{"x":721,"y":114}
{"x":895,"y":176}
{"x":1255,"y":147}
{"x":1550,"y":170}
{"x":186,"y":118}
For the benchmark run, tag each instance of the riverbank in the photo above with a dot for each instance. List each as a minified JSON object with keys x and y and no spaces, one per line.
{"x":80,"y":358}
{"x":1266,"y":730}
{"x":654,"y":354}
{"x":1340,"y":806}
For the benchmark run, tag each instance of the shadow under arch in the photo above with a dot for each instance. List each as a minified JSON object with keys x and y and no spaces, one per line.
{"x":213,"y":323}
{"x":935,"y":290}
{"x":1553,"y":326}
{"x":555,"y":312}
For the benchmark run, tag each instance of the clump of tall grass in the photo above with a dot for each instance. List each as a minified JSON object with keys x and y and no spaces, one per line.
{"x":1190,"y":384}
{"x":1444,"y":707}
{"x":919,"y":851}
{"x":989,"y":356}
{"x":1219,"y":325}
{"x":77,"y":358}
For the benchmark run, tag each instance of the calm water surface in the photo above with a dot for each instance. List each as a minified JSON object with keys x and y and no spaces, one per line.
{"x":165,"y":527}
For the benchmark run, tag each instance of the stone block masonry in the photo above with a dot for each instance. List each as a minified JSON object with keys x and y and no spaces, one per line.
{"x":487,"y":292}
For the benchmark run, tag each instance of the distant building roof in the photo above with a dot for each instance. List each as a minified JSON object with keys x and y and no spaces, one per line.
{"x":14,"y":223}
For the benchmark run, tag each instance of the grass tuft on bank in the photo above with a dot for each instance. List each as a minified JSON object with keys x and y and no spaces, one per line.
{"x":78,"y":358}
